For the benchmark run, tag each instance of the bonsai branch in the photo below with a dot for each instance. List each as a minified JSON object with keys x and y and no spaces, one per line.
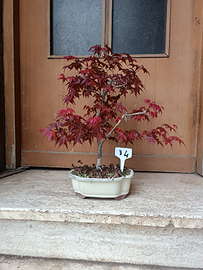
{"x":103,"y":99}
{"x":100,"y":144}
{"x":103,"y":95}
{"x":123,"y":117}
{"x":119,"y":85}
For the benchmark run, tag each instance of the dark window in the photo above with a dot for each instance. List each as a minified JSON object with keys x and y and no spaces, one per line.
{"x":76,"y":25}
{"x":139,"y":26}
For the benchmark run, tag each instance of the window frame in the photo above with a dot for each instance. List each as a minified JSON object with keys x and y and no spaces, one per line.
{"x":107,"y":31}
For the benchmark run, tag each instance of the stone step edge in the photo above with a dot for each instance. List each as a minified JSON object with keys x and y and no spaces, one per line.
{"x":9,"y":262}
{"x":77,"y":217}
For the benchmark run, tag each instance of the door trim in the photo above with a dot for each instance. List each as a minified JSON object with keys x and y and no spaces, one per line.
{"x":12,"y":83}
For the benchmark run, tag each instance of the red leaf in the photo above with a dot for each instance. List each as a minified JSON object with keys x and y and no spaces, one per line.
{"x":120,"y":107}
{"x":69,"y":57}
{"x":94,"y":122}
{"x":62,"y":77}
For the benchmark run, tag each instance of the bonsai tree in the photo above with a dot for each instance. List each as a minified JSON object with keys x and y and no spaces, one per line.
{"x":107,"y":78}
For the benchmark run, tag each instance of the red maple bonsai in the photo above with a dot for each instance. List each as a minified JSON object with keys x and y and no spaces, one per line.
{"x":107,"y":78}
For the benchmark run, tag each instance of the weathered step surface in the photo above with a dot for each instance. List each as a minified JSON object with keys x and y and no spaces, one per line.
{"x":27,"y":263}
{"x":159,"y":223}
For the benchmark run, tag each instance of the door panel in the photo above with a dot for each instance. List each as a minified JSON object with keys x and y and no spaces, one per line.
{"x":172,"y":83}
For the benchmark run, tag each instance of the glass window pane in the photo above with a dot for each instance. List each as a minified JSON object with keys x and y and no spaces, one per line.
{"x":139,"y":26}
{"x":76,"y":25}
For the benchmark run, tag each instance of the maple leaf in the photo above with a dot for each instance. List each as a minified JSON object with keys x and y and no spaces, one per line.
{"x":171,"y":128}
{"x":50,"y":135}
{"x":84,"y":72}
{"x":171,"y":139}
{"x":121,"y":135}
{"x":70,"y":110}
{"x":94,"y":122}
{"x":96,"y":49}
{"x":118,"y":119}
{"x":120,"y":107}
{"x":71,"y":79}
{"x":62,"y":77}
{"x":99,"y":136}
{"x":151,"y":139}
{"x":69,"y":57}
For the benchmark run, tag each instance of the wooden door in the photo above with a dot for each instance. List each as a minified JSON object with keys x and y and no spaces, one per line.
{"x":173,"y":83}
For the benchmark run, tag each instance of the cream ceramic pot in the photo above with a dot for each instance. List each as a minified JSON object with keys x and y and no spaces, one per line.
{"x":116,"y":188}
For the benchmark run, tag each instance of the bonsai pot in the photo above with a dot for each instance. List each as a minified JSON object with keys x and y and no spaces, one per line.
{"x":117,"y":188}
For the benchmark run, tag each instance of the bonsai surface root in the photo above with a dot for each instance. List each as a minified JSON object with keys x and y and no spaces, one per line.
{"x":104,"y":171}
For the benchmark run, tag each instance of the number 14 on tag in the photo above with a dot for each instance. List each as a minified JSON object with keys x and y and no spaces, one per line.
{"x":123,"y":154}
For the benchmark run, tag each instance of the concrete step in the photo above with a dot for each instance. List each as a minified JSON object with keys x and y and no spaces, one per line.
{"x":159,"y":223}
{"x":28,"y":263}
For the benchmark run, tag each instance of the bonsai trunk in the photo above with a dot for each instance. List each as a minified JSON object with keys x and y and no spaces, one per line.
{"x":99,"y":155}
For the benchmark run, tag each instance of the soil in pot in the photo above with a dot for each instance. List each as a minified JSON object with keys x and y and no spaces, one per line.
{"x":111,"y":171}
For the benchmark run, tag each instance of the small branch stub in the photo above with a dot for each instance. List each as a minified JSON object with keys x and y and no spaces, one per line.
{"x":123,"y":154}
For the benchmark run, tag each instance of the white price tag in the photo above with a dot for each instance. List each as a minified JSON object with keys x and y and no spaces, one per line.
{"x":123,"y":154}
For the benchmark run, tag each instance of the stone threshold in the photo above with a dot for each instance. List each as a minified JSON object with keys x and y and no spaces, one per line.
{"x":32,"y":263}
{"x":155,"y":199}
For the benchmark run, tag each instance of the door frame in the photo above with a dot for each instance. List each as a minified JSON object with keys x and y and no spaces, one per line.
{"x":199,"y":155}
{"x":12,"y":83}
